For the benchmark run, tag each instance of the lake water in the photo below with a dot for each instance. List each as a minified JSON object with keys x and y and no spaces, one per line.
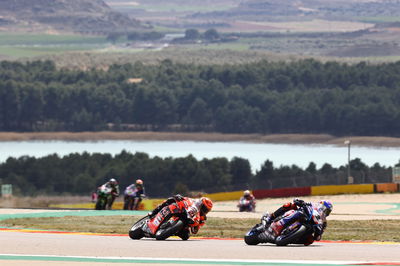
{"x":257,"y":154}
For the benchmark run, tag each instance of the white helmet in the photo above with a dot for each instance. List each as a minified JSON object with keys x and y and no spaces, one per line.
{"x":325,"y":206}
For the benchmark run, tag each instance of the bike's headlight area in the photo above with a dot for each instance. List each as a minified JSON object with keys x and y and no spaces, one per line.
{"x":250,"y":233}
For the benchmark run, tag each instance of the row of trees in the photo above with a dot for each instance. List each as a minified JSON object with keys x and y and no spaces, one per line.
{"x":209,"y":35}
{"x":306,"y":96}
{"x":80,"y":174}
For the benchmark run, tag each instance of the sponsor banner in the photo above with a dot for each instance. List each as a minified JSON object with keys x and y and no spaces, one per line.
{"x":343,"y":189}
{"x":234,"y":195}
{"x":282,"y":192}
{"x":387,"y":187}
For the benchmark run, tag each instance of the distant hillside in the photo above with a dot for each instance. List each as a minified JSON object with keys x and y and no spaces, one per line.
{"x":307,"y":9}
{"x":84,"y":16}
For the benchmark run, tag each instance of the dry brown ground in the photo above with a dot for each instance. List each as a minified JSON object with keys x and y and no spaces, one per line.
{"x":210,"y":137}
{"x":40,"y":201}
{"x":346,"y":207}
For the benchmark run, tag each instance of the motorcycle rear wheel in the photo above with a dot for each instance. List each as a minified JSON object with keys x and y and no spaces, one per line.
{"x":291,"y":238}
{"x":174,"y":228}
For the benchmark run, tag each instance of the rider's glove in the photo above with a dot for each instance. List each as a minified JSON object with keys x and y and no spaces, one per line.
{"x":152,"y":213}
{"x":266,"y":219}
{"x":178,"y":197}
{"x":318,"y":232}
{"x":189,"y":218}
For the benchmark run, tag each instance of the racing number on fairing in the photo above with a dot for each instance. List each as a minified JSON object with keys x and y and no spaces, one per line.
{"x":192,"y":211}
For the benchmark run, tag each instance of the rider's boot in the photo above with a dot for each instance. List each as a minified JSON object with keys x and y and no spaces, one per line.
{"x":266,"y":219}
{"x":267,"y":236}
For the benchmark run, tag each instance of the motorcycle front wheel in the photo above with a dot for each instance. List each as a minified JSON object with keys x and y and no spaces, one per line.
{"x":251,"y":240}
{"x":136,"y":231}
{"x":253,"y":236}
{"x":100,"y":204}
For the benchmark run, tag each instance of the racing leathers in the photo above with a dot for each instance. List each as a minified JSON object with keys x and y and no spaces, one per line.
{"x":247,"y":203}
{"x":114,"y":193}
{"x":190,"y":208}
{"x":131,"y":192}
{"x":276,"y":228}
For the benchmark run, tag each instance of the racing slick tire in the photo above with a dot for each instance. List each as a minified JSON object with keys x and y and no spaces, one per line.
{"x":136,"y":231}
{"x":171,"y":229}
{"x":284,"y":240}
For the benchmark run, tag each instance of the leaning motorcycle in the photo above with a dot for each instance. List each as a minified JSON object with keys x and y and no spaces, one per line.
{"x":103,"y":196}
{"x":169,"y":221}
{"x":132,"y":199}
{"x":246,"y":205}
{"x":301,"y":231}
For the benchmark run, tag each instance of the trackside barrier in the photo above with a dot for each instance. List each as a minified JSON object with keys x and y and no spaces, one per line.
{"x":342,"y":189}
{"x":150,"y":204}
{"x":386,"y":187}
{"x":308,"y":191}
{"x":234,"y":195}
{"x":147,"y":204}
{"x":282,"y":192}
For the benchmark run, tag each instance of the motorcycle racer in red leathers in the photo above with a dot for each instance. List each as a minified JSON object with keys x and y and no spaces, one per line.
{"x":195,"y":210}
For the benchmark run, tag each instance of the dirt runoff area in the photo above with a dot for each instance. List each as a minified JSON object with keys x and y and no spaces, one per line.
{"x":345,"y":207}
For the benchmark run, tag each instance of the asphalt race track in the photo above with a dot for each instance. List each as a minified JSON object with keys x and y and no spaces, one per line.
{"x":19,"y":248}
{"x":22,"y":247}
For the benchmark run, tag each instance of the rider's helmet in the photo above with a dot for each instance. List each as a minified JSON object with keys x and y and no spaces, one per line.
{"x":139,"y":182}
{"x":246,"y":193}
{"x":325,"y":206}
{"x":206,"y":205}
{"x":113,"y":182}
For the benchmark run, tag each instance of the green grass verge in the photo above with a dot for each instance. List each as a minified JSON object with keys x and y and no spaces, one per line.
{"x":373,"y":230}
{"x":30,"y":51}
{"x":233,"y":46}
{"x":46,"y":39}
{"x":29,"y":45}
